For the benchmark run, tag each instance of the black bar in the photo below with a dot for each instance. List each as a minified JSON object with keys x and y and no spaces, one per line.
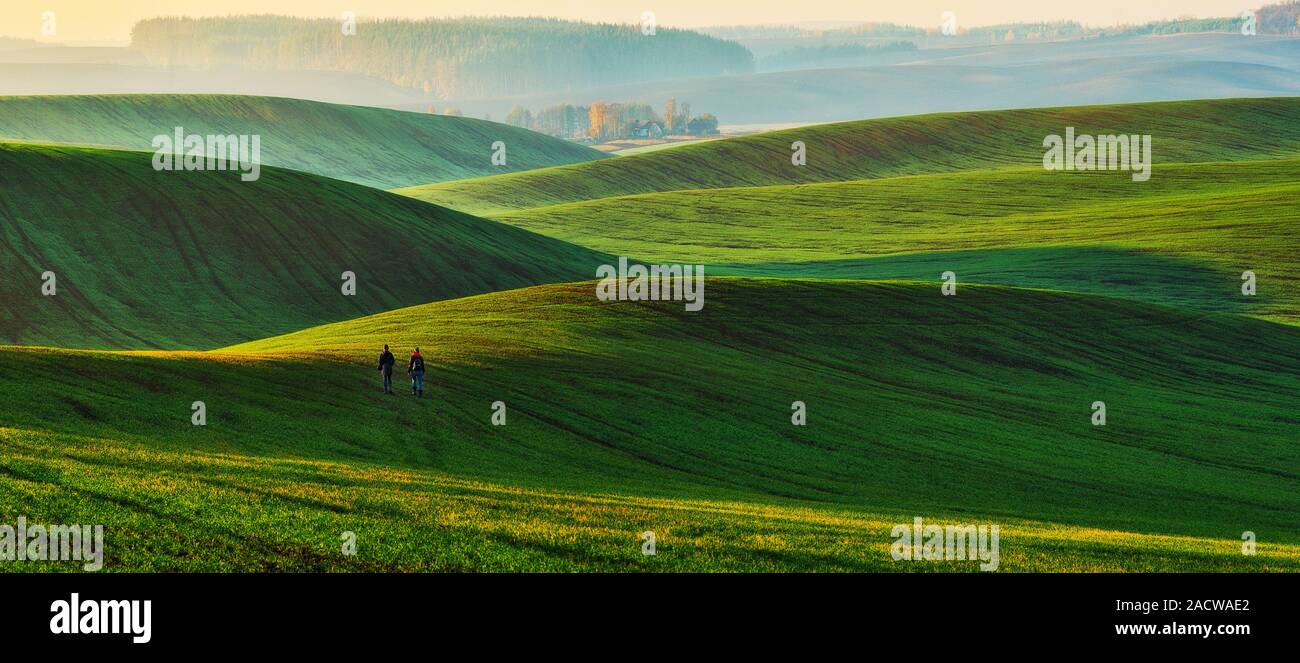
{"x":235,"y":612}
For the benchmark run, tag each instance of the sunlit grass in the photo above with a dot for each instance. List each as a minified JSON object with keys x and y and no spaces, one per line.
{"x":1181,"y":131}
{"x":978,"y":413}
{"x":185,"y":511}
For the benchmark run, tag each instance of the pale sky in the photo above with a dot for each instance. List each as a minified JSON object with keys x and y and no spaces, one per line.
{"x":111,"y":20}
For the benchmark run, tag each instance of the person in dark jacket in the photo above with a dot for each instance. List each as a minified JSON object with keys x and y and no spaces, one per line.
{"x":415,"y":368}
{"x":386,"y":361}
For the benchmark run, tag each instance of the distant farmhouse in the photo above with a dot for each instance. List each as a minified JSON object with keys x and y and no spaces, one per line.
{"x":648,"y":129}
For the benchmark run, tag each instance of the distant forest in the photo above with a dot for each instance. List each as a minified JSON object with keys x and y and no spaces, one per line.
{"x":1281,"y":18}
{"x":10,"y":43}
{"x":446,"y":58}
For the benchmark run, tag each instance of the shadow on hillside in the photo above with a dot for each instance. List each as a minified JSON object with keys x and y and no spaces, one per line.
{"x":1099,"y":270}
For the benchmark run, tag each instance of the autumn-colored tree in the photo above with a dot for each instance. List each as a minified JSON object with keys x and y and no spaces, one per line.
{"x":520,"y":117}
{"x":599,"y":120}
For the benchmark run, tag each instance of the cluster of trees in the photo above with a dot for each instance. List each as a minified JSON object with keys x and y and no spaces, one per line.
{"x":746,"y":32}
{"x":14,"y":43}
{"x":1280,"y":19}
{"x":448,"y":58}
{"x":1025,"y":31}
{"x":610,"y":120}
{"x":446,"y":110}
{"x":776,"y":43}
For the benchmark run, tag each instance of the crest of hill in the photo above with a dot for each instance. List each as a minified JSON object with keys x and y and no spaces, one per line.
{"x":192,"y":260}
{"x":1182,"y":131}
{"x":371,"y":146}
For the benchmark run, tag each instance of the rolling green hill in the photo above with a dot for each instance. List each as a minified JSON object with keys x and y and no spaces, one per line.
{"x":626,"y":417}
{"x":1185,"y":131}
{"x":148,"y":259}
{"x":1183,"y":238}
{"x":371,"y":146}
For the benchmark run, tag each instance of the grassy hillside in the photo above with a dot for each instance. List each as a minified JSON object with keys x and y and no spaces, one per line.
{"x":1192,"y":131}
{"x":371,"y":146}
{"x":147,"y":259}
{"x":624,"y":417}
{"x":978,"y":414}
{"x":1182,"y":238}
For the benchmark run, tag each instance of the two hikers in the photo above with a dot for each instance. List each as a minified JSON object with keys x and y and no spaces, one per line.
{"x":414,"y":368}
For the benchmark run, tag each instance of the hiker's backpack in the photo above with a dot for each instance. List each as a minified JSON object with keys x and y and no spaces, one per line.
{"x":419,"y":364}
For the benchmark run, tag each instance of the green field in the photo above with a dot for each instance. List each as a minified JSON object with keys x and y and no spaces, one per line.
{"x":1184,"y":131}
{"x":197,"y":260}
{"x":622,"y":417}
{"x":1182,"y":238}
{"x":371,"y":146}
{"x":979,"y":413}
